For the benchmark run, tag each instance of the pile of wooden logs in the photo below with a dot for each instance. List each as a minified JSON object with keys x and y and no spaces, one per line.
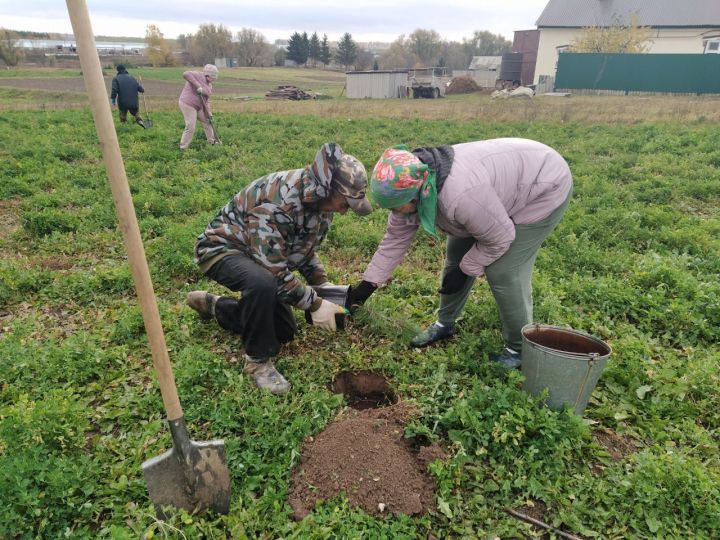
{"x":287,"y":92}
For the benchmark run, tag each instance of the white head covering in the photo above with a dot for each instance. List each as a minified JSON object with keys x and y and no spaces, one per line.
{"x":211,"y":71}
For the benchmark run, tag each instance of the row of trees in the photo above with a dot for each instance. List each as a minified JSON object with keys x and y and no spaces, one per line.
{"x":216,"y":41}
{"x":303,"y":51}
{"x":422,"y":48}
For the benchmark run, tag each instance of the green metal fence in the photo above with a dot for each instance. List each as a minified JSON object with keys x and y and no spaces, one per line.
{"x":680,"y":73}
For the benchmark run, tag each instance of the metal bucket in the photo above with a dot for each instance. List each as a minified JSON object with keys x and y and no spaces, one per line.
{"x":566,"y":362}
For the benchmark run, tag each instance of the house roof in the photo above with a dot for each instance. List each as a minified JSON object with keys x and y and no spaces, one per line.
{"x":485,"y":63}
{"x":655,"y":13}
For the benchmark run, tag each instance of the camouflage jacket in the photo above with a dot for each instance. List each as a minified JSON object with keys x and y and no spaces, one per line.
{"x":275,"y":221}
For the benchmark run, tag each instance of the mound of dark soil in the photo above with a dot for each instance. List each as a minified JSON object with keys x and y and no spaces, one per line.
{"x":462,"y":85}
{"x":363,"y":454}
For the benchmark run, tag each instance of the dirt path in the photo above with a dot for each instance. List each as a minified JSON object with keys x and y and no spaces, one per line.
{"x":76,"y":84}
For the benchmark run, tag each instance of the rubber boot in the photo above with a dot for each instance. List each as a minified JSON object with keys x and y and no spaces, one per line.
{"x":431,"y":334}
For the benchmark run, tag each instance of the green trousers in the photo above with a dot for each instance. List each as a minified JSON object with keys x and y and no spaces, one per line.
{"x":509,"y":278}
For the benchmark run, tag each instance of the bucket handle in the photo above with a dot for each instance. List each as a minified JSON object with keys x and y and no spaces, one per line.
{"x":590,"y":363}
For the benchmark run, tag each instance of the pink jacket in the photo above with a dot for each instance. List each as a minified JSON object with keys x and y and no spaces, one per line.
{"x":189,"y":95}
{"x":492,"y":186}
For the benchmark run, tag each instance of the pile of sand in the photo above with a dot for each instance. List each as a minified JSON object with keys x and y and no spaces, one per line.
{"x":364,"y":454}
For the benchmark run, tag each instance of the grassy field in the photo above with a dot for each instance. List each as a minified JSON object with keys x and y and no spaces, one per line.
{"x":635,"y":262}
{"x":243,"y":90}
{"x":165,"y":83}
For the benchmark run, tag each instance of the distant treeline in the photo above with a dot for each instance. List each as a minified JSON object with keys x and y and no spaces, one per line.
{"x":422,"y":48}
{"x":26,"y":34}
{"x":249,"y":47}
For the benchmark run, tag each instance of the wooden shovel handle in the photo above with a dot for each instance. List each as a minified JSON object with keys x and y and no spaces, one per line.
{"x":95,"y":85}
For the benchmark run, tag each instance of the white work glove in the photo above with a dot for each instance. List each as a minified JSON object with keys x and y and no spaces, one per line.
{"x":199,"y":91}
{"x":324,"y":316}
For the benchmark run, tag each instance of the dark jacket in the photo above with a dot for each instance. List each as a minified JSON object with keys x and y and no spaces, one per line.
{"x":126,"y":88}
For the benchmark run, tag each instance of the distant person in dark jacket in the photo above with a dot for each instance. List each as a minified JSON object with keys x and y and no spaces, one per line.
{"x":125,"y":90}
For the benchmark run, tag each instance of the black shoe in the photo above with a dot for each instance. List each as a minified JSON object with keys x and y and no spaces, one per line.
{"x":431,"y":334}
{"x":510,"y":360}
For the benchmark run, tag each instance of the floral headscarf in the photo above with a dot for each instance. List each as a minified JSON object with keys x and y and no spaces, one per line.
{"x":398,"y":177}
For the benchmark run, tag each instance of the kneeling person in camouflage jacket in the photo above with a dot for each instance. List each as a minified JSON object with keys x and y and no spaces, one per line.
{"x":253,"y":245}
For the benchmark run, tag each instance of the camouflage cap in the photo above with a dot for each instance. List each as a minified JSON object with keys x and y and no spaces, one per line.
{"x":350,"y":179}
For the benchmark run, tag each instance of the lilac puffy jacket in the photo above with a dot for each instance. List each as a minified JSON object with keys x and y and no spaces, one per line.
{"x":492,"y":186}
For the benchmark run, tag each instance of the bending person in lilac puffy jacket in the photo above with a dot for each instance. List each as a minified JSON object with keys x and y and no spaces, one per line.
{"x":195,"y":103}
{"x":497,"y":200}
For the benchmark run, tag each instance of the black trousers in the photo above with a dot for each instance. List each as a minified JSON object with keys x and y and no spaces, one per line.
{"x":123,"y":113}
{"x":262,"y":320}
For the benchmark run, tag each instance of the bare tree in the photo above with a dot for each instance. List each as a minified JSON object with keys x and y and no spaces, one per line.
{"x":453,"y":55}
{"x":210,"y":42}
{"x":183,"y":41}
{"x":484,"y":43}
{"x":425,"y":44}
{"x":252,"y":48}
{"x":10,"y":53}
{"x":364,"y":60}
{"x":397,"y":56}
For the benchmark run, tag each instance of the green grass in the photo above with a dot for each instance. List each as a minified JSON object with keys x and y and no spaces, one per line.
{"x":635,"y":261}
{"x":38,"y":72}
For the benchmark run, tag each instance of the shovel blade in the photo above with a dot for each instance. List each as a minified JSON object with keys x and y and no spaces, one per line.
{"x":197,"y":483}
{"x":147,"y":123}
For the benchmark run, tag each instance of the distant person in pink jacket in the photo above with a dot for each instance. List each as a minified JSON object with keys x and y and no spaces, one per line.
{"x":195,"y":103}
{"x":497,"y":200}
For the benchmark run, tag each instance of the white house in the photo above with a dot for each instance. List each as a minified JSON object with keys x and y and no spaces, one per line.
{"x":677,"y":26}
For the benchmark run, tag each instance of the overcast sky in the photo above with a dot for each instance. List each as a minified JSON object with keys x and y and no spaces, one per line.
{"x":366,"y":20}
